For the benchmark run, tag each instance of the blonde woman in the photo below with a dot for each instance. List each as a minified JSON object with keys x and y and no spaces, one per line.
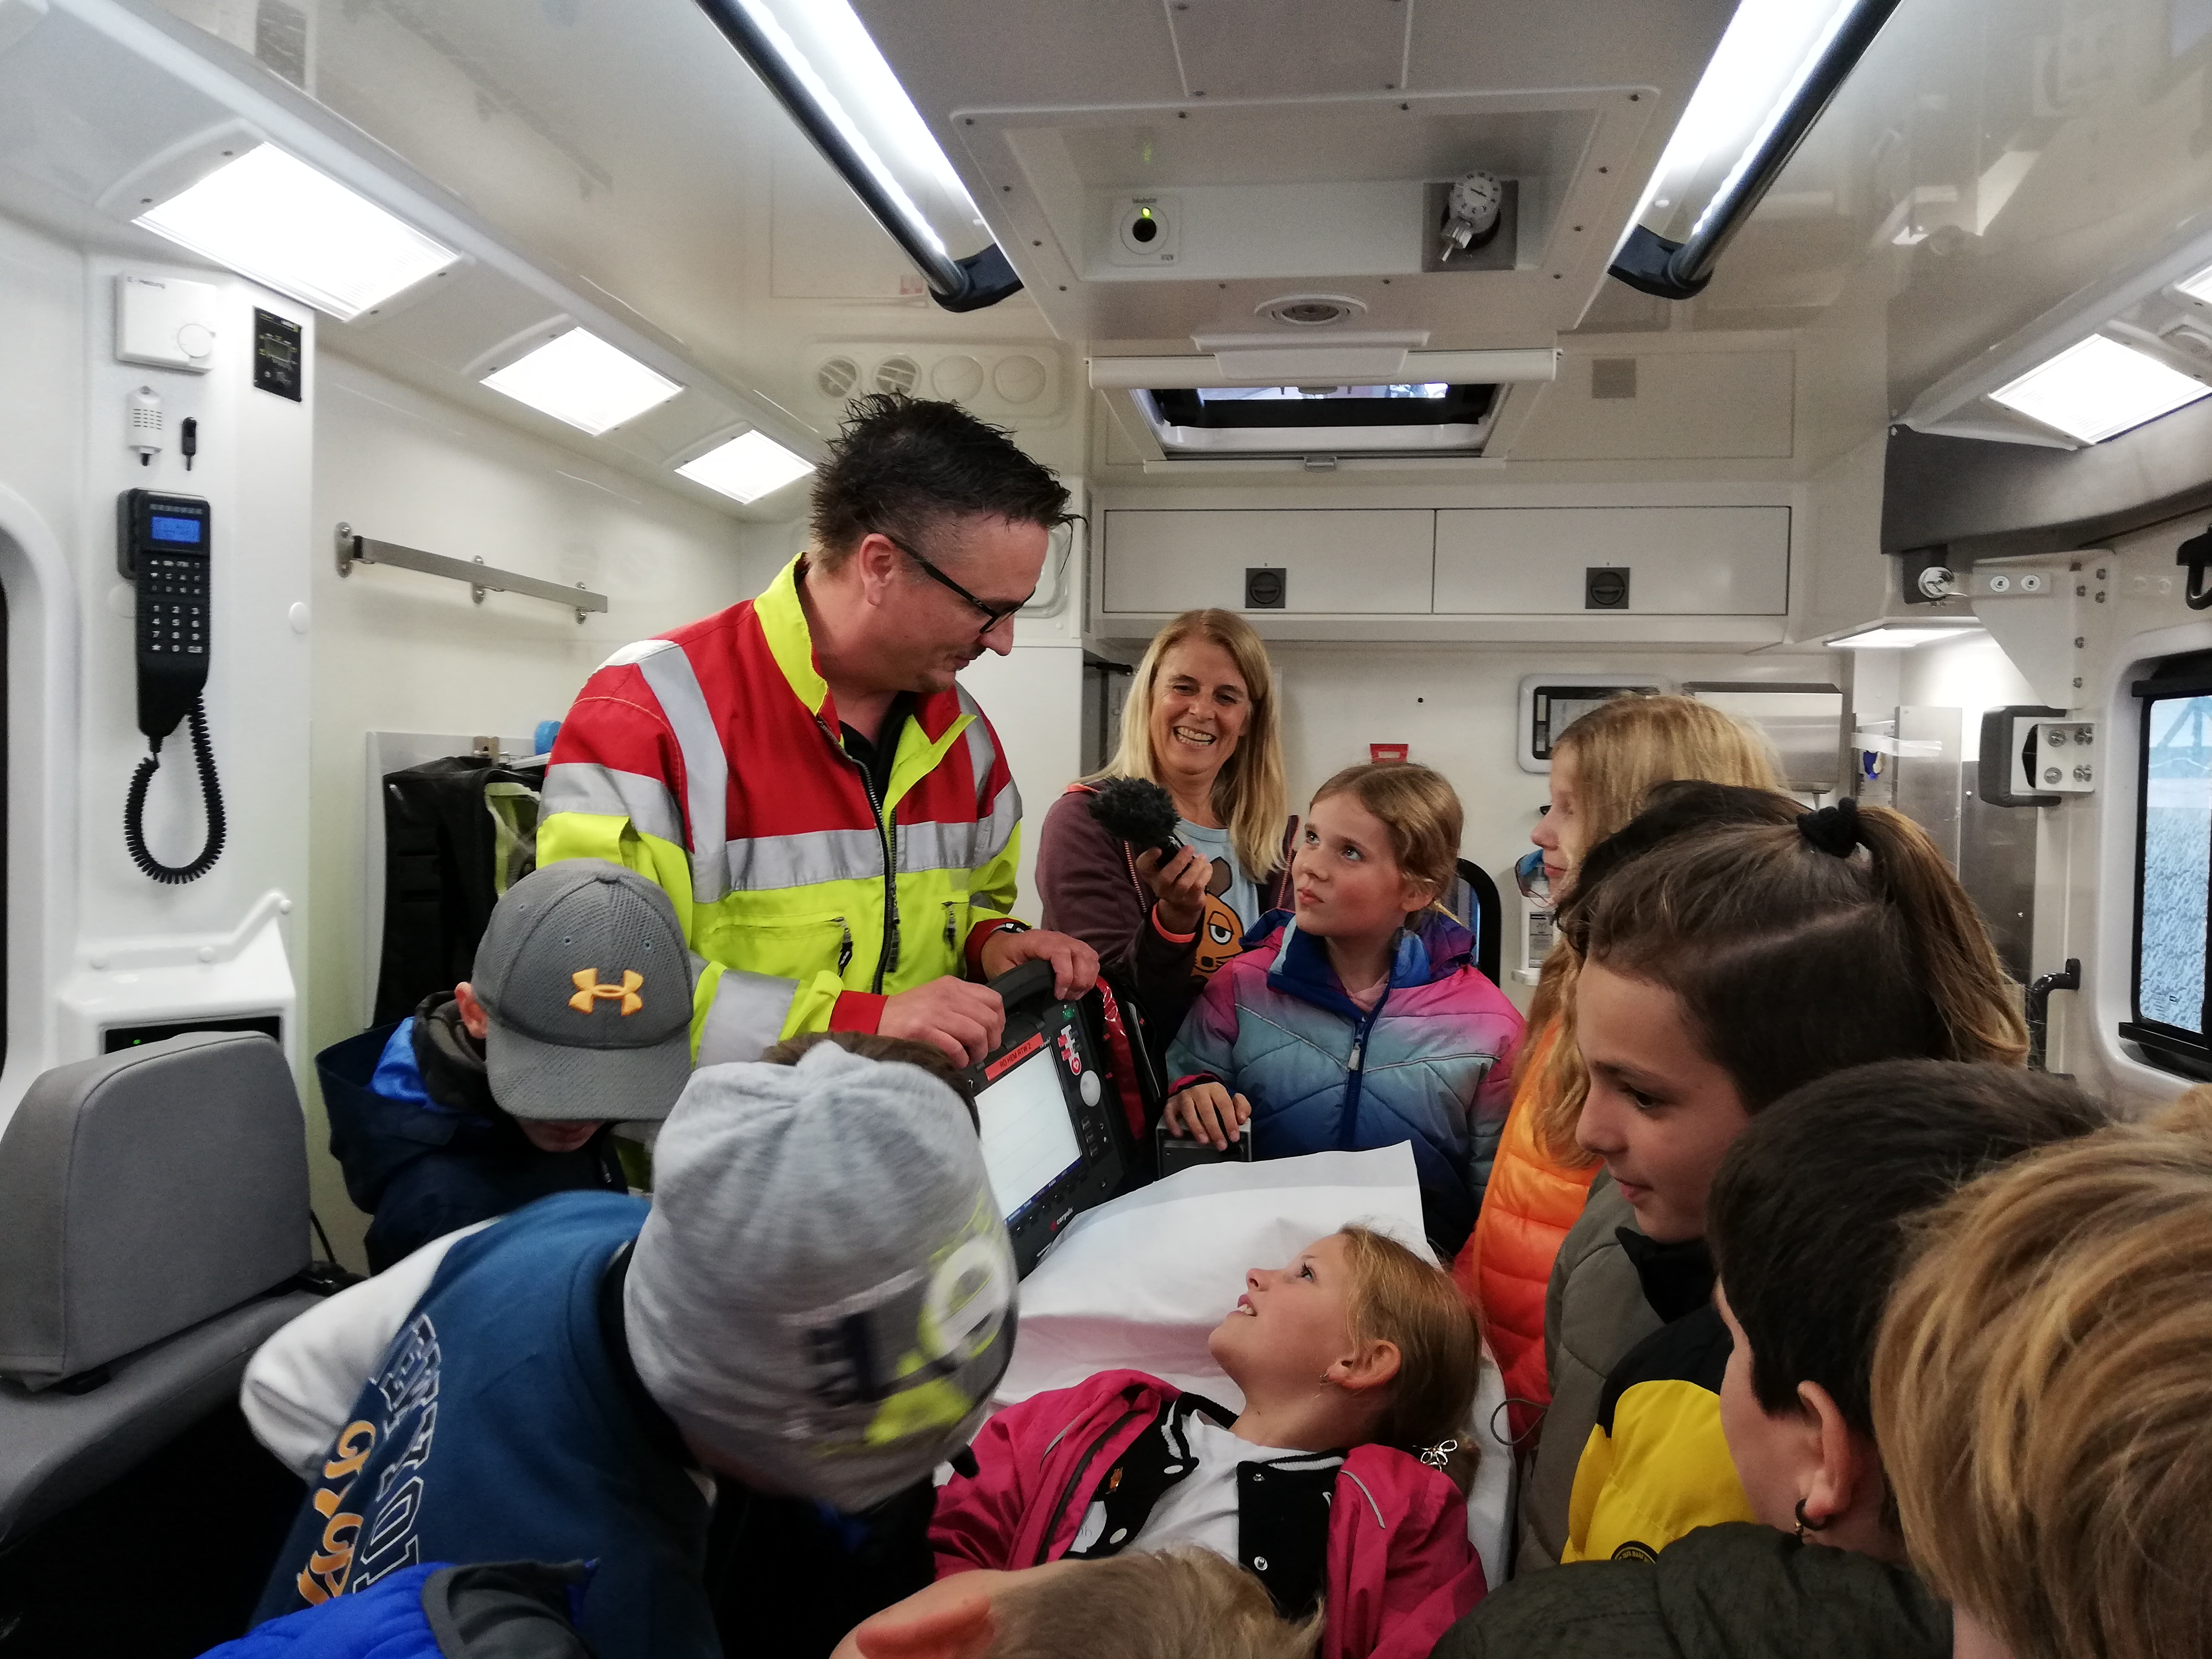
{"x":1602,"y":766}
{"x":1202,"y":722}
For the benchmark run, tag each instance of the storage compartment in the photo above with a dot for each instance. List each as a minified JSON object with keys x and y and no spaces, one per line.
{"x":1680,"y":560}
{"x":1336,"y":561}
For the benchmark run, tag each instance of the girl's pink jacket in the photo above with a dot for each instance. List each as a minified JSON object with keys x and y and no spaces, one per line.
{"x":1400,"y":1570}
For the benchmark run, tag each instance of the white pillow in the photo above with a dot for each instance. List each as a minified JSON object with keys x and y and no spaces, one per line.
{"x":1139,"y":1283}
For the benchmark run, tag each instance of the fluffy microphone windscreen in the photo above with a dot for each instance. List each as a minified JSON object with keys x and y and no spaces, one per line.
{"x":1138,"y":811}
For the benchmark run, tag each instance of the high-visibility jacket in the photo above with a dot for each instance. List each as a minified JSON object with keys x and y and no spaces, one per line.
{"x":711,"y":762}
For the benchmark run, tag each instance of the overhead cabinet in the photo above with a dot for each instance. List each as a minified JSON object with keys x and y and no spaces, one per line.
{"x":1730,"y":564}
{"x":1333,"y":561}
{"x":1674,"y":561}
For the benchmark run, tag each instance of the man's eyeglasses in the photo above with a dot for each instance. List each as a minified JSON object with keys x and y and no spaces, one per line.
{"x":992,"y":615}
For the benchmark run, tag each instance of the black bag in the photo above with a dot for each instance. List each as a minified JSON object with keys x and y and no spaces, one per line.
{"x":458,"y":833}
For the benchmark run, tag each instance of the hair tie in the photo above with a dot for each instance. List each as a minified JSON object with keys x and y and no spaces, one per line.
{"x":1440,"y":1453}
{"x":1832,"y":829}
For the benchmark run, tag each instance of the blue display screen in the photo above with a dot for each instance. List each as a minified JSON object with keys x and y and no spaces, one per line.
{"x":176,"y":530}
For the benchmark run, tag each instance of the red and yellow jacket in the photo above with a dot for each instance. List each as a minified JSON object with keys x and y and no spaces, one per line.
{"x":1527,"y":1211}
{"x":710,"y":761}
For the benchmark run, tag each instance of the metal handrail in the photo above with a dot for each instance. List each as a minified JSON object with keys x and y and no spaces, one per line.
{"x":1679,"y":271}
{"x":969,"y":284}
{"x":353,"y":549}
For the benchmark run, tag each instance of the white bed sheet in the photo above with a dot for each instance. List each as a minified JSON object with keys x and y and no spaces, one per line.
{"x":1140,"y":1281}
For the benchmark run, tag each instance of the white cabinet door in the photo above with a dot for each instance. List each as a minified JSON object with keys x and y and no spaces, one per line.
{"x":1681,"y":561}
{"x":1338,"y":561}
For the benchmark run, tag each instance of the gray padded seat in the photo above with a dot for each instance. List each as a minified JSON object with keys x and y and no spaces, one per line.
{"x":155,"y":1204}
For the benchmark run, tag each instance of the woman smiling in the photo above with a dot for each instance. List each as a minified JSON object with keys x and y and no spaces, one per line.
{"x":1202,"y":721}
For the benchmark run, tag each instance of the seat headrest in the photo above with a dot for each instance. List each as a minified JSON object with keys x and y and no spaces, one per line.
{"x":144,"y":1192}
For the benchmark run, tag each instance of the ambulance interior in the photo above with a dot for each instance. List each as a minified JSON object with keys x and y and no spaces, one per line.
{"x":1921,"y":438}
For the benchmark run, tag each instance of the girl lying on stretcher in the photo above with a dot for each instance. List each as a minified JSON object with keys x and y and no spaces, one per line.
{"x":1335,"y":1484}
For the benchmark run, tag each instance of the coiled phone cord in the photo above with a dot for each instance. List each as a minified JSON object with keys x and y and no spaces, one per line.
{"x":134,"y":808}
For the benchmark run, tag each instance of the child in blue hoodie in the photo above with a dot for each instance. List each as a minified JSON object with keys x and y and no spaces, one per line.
{"x":1358,"y":1019}
{"x":430,"y":1133}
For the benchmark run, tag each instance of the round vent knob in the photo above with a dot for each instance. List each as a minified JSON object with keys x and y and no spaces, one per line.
{"x":1019,"y":379}
{"x":898,"y":375}
{"x":836,"y":378}
{"x":958,"y":377}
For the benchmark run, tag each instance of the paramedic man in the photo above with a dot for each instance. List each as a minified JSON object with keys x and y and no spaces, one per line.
{"x":765,"y":765}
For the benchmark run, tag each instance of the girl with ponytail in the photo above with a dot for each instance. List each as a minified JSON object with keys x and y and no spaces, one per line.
{"x":1734,"y":947}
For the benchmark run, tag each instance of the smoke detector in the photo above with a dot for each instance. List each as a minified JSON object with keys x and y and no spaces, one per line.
{"x":1312,"y":310}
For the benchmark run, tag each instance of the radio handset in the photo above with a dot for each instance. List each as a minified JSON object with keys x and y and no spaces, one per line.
{"x":163,"y":545}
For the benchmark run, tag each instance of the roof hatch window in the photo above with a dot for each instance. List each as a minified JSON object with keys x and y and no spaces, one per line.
{"x":1417,"y":418}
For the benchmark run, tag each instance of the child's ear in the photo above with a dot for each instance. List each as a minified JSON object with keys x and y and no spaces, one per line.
{"x":1370,"y":1365}
{"x":960,"y":1630}
{"x":474,"y":1020}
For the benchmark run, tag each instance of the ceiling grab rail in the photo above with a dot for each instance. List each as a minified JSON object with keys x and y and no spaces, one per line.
{"x":981,"y":279}
{"x":1679,"y":271}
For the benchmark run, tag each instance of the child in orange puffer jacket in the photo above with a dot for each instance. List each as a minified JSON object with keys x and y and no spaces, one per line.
{"x":1602,"y":766}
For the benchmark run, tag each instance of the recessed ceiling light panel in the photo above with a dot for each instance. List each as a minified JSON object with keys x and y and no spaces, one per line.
{"x":748,"y":467}
{"x":2099,"y":388}
{"x":271,"y":217}
{"x":579,"y":378}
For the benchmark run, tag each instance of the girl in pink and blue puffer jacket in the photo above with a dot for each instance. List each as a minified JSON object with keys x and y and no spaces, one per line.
{"x":1358,"y":1019}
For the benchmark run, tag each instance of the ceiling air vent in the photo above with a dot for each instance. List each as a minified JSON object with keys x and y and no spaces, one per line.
{"x":836,"y":377}
{"x":897,"y":375}
{"x":1312,"y":310}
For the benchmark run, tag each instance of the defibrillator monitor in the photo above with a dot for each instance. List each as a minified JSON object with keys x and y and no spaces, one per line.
{"x":1041,"y":1106}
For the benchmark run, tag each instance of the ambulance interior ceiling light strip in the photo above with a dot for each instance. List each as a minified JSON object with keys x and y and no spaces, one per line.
{"x":274,"y":219}
{"x":747,"y":467}
{"x":579,"y":378}
{"x":1776,"y":69}
{"x":2097,"y":388}
{"x":1884,"y":638}
{"x":818,"y":60}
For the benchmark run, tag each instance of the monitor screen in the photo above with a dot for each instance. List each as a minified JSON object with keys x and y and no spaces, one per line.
{"x":1029,"y":1139}
{"x":184,"y":530}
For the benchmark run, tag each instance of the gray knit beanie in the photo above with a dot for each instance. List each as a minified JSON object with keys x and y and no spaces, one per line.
{"x":823,"y":1296}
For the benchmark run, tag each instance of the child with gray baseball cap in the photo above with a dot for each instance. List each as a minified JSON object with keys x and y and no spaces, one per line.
{"x":577,"y":1014}
{"x":819,"y":1300}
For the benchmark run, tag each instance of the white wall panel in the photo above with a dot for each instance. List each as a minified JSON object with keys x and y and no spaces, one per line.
{"x":1341,"y":560}
{"x":1684,"y":561}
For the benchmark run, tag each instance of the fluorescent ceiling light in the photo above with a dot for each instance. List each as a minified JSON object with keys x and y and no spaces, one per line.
{"x":1897,"y":639}
{"x":1768,"y":48}
{"x":843,"y":44}
{"x":580,"y":379}
{"x":746,"y":468}
{"x":271,"y":217}
{"x":2100,"y":387}
{"x":2199,"y":287}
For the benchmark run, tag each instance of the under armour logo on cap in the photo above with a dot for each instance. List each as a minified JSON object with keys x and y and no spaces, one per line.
{"x":589,"y":990}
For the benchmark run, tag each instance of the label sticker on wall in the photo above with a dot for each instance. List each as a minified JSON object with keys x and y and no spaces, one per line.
{"x":276,"y":355}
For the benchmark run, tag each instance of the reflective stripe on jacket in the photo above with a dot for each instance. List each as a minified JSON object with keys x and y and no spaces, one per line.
{"x":711,"y":761}
{"x":1527,"y":1209}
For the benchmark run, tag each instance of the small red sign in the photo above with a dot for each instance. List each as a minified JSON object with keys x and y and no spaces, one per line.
{"x":1013,"y":1058}
{"x":1388,"y":752}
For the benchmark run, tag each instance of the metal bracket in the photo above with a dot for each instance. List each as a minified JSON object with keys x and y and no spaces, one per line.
{"x":353,"y":549}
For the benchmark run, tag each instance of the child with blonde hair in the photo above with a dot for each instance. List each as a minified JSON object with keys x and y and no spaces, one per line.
{"x":1175,"y":1604}
{"x":1336,"y":1484}
{"x":1358,"y":1019}
{"x":1603,"y":766}
{"x":2040,"y":1397}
